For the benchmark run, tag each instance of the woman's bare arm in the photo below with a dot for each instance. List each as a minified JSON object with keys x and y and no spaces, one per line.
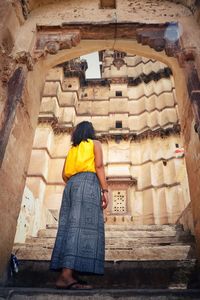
{"x":98,"y":153}
{"x":65,"y":178}
{"x":99,"y":166}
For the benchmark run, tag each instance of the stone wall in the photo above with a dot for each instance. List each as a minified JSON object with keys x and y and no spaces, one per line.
{"x":33,"y":217}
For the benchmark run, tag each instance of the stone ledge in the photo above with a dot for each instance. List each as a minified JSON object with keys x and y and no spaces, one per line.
{"x":106,"y":294}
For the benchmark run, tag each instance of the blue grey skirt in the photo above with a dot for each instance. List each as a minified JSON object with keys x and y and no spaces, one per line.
{"x":80,"y":241}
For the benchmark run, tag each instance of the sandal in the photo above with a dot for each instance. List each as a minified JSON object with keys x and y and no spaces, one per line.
{"x":81,"y":285}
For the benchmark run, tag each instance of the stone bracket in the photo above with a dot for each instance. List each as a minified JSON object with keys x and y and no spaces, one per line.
{"x":50,"y":40}
{"x":160,"y":37}
{"x":24,"y":57}
{"x":185,"y":55}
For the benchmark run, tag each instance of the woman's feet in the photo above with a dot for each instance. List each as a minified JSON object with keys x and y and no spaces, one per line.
{"x":67,"y":281}
{"x":76,"y":285}
{"x":63,"y":282}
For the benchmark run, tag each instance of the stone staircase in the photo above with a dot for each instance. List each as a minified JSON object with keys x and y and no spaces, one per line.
{"x":123,"y":243}
{"x":137,"y":257}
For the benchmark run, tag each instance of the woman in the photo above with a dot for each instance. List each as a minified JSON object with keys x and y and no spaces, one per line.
{"x":80,"y":241}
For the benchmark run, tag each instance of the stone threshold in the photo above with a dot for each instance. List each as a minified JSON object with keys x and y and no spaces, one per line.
{"x":49,"y":293}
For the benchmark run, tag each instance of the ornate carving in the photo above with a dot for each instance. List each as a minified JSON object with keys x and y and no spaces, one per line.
{"x":25,"y":8}
{"x":51,"y":40}
{"x":166,"y":36}
{"x":52,"y":119}
{"x":118,"y":59}
{"x":160,"y":37}
{"x":52,"y":47}
{"x":62,"y":128}
{"x":161,"y":132}
{"x":24,"y":57}
{"x":54,"y":122}
{"x":118,"y":80}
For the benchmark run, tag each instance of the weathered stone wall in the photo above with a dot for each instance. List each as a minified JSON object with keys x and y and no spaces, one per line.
{"x":33,"y":217}
{"x":186,"y":219}
{"x":19,"y":110}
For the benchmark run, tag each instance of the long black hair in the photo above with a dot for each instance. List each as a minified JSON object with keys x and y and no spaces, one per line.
{"x":82,"y":132}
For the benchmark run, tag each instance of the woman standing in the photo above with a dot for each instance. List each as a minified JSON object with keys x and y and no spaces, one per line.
{"x":80,"y":241}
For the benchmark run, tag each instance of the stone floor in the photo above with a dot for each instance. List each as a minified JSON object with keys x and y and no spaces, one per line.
{"x":120,"y":294}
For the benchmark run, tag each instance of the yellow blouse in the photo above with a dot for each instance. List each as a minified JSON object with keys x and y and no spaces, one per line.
{"x":80,"y":159}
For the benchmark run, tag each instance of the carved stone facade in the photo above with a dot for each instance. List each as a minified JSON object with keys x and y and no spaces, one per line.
{"x":138,"y":126}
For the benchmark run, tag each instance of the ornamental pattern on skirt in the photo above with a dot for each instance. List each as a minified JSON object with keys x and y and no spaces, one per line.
{"x":80,"y":241}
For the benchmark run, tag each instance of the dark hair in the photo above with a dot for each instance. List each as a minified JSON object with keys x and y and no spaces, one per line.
{"x":82,"y":132}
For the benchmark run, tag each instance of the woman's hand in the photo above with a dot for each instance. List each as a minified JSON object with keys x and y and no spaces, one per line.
{"x":104,"y":199}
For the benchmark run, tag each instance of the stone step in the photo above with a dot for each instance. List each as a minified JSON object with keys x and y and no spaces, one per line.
{"x":122,"y":274}
{"x":122,"y":242}
{"x":51,"y":233}
{"x":98,"y":294}
{"x":150,"y":253}
{"x":126,"y":227}
{"x":147,"y":252}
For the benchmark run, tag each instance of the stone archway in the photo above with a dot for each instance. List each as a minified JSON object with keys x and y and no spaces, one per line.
{"x":24,"y":116}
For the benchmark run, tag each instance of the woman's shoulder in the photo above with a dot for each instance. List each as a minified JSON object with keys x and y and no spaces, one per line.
{"x":97,"y":143}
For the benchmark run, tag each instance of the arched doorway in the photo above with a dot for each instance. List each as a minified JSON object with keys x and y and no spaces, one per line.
{"x":35,"y":81}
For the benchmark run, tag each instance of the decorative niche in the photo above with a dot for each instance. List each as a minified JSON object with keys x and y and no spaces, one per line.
{"x":119,"y":189}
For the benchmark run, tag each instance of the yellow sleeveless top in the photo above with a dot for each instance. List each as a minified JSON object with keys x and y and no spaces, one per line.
{"x":80,"y":159}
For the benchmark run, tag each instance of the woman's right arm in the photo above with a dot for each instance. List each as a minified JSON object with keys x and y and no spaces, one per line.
{"x":99,"y":166}
{"x":64,"y":177}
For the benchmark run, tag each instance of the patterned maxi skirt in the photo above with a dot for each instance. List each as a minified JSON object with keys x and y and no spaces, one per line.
{"x":80,"y":241}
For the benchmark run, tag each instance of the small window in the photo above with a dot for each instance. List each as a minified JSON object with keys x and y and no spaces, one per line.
{"x":177,"y":145}
{"x":118,"y":124}
{"x":118,"y":93}
{"x":108,"y":4}
{"x":119,"y":202}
